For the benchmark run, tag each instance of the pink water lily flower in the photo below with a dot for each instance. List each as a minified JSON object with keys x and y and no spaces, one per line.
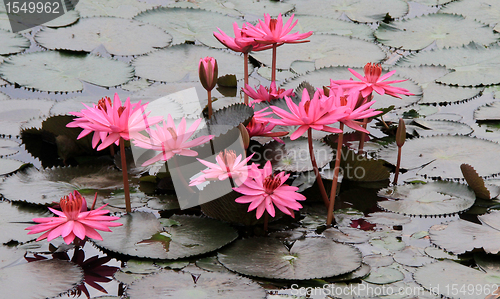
{"x":266,"y":190}
{"x":264,"y":94}
{"x":170,"y":140}
{"x":228,"y":166}
{"x":272,"y":31}
{"x":372,"y":81}
{"x":264,"y":129}
{"x":74,"y":221}
{"x":112,"y":121}
{"x":240,"y":42}
{"x":316,"y":113}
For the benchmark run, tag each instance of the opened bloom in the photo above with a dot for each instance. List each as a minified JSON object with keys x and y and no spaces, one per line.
{"x":208,"y":72}
{"x":240,"y":42}
{"x":170,"y":140}
{"x":264,"y":129}
{"x":272,"y":31}
{"x":228,"y":166}
{"x":74,"y":221}
{"x":266,"y":190}
{"x":316,"y":113}
{"x":264,"y":94}
{"x":112,"y":121}
{"x":372,"y":81}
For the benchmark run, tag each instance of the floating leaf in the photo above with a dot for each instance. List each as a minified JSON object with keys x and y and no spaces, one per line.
{"x":488,"y":112}
{"x":207,"y":285}
{"x":439,"y":253}
{"x":322,"y":77}
{"x":389,"y":219}
{"x":115,"y":8}
{"x":306,"y":259}
{"x":40,"y":279}
{"x":411,"y":256}
{"x":431,"y":199}
{"x":389,"y":243}
{"x":445,"y":30}
{"x":324,"y":50}
{"x":384,"y":275}
{"x":424,"y":128}
{"x":471,"y":65}
{"x":68,"y":18}
{"x":189,"y":25}
{"x":450,"y":279}
{"x":12,"y":43}
{"x":9,"y":165}
{"x":49,"y":185}
{"x":182,"y":63}
{"x":23,"y":110}
{"x":142,"y":235}
{"x":226,"y":119}
{"x":326,"y":25}
{"x":347,"y":235}
{"x":57,"y":71}
{"x":114,"y":34}
{"x":15,"y":218}
{"x":256,"y":7}
{"x":441,"y":156}
{"x":361,"y":272}
{"x":8,"y":147}
{"x":378,"y":260}
{"x":488,"y":263}
{"x":486,"y":12}
{"x":357,"y":167}
{"x":211,"y":264}
{"x":140,"y":267}
{"x":359,"y":11}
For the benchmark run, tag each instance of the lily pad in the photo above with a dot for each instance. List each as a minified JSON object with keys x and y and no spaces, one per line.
{"x":8,"y":147}
{"x":189,"y":25}
{"x":384,"y":275}
{"x":486,"y":12}
{"x":68,"y":18}
{"x":386,"y":218}
{"x":40,"y":279}
{"x":347,"y":235}
{"x":440,"y":254}
{"x":424,"y":128}
{"x":189,"y":286}
{"x":359,"y":11}
{"x":57,"y":71}
{"x":392,"y":244}
{"x":306,"y":259}
{"x":441,"y":156}
{"x":327,"y":25}
{"x":226,"y":119}
{"x":12,"y":43}
{"x":445,"y":30}
{"x":182,"y":63}
{"x":324,"y":50}
{"x":471,"y":65}
{"x":431,"y":199}
{"x":357,"y":167}
{"x":49,"y":185}
{"x":211,"y":264}
{"x":450,"y":279}
{"x":378,"y":260}
{"x":20,"y":110}
{"x":15,"y":218}
{"x":9,"y":165}
{"x":411,"y":256}
{"x":322,"y":77}
{"x":115,"y":8}
{"x":361,"y":272}
{"x":114,"y":34}
{"x":144,"y":236}
{"x":488,"y":112}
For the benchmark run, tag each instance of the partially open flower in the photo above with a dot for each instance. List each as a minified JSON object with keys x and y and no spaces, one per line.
{"x":208,"y":72}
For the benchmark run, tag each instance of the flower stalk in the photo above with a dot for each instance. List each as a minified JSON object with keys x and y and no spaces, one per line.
{"x":400,"y":141}
{"x":126,"y":187}
{"x":333,"y":191}
{"x":319,"y":180}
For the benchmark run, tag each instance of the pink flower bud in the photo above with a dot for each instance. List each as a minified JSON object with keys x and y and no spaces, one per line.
{"x":208,"y":72}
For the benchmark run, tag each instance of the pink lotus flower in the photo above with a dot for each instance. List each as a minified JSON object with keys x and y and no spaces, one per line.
{"x":228,"y":166}
{"x":208,"y":72}
{"x":264,"y":129}
{"x":266,"y":190}
{"x":354,"y":110}
{"x":272,"y":31}
{"x":170,"y":140}
{"x":240,"y":42}
{"x":110,"y":122}
{"x":73,"y":221}
{"x":373,"y":82}
{"x":264,"y":94}
{"x":315,"y":113}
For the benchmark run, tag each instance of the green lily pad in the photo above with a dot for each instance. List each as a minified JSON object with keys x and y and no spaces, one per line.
{"x":358,"y":11}
{"x":115,"y":8}
{"x":20,"y":110}
{"x":136,"y":85}
{"x":384,"y":275}
{"x":163,"y":202}
{"x":306,"y":259}
{"x":411,"y":256}
{"x":462,"y":236}
{"x":361,"y":272}
{"x":182,"y":63}
{"x":9,"y":165}
{"x":488,"y":112}
{"x":140,"y":267}
{"x":49,"y":185}
{"x":137,"y":199}
{"x":327,"y":25}
{"x":256,"y":7}
{"x":68,"y":18}
{"x":15,"y":218}
{"x":211,"y":264}
{"x":324,"y":50}
{"x":12,"y":43}
{"x":347,"y":235}
{"x":440,"y":254}
{"x":40,"y":279}
{"x":451,"y":280}
{"x":378,"y":260}
{"x":174,"y":265}
{"x":144,"y":236}
{"x":445,"y":30}
{"x":441,"y":156}
{"x":322,"y":77}
{"x":205,"y":285}
{"x":226,"y":119}
{"x":360,"y":168}
{"x":389,"y":219}
{"x":189,"y":25}
{"x":431,"y":199}
{"x":486,"y":12}
{"x":488,"y":262}
{"x":114,"y":34}
{"x":425,"y":128}
{"x":471,"y":65}
{"x":57,"y":71}
{"x":8,"y":147}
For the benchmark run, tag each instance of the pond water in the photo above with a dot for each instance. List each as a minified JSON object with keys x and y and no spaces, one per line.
{"x":415,"y":236}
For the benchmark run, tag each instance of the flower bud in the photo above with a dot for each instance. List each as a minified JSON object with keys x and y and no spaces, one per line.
{"x":208,"y":72}
{"x":401,"y":133}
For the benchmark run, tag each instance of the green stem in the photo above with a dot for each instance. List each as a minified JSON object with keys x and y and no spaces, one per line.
{"x":319,"y":180}
{"x":245,"y":56}
{"x":273,"y":73}
{"x":362,"y":138}
{"x":333,"y":191}
{"x":209,"y":95}
{"x":125,"y":176}
{"x":398,"y":164}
